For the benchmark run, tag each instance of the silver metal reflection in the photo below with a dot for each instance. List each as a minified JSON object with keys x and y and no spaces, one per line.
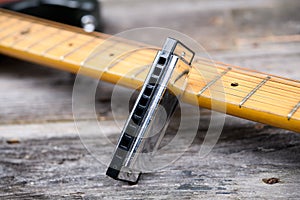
{"x":150,"y":116}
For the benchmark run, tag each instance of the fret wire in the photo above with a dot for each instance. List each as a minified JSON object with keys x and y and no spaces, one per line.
{"x":267,"y":91}
{"x":83,"y":63}
{"x":271,"y":87}
{"x":143,"y":68}
{"x":277,"y":87}
{"x":267,"y":86}
{"x":254,"y":90}
{"x":253,"y":100}
{"x":271,"y":81}
{"x":41,"y":39}
{"x":213,"y":81}
{"x":258,"y":95}
{"x":14,"y":32}
{"x":263,"y":102}
{"x":289,"y":87}
{"x":126,"y":55}
{"x":224,"y":65}
{"x":293,"y":111}
{"x":240,"y":78}
{"x":8,"y":26}
{"x":121,"y":42}
{"x":183,"y":87}
{"x":50,"y":48}
{"x":27,"y":36}
{"x":185,"y":72}
{"x":248,"y":72}
{"x":76,"y":49}
{"x":283,"y":107}
{"x":233,"y":70}
{"x":268,"y":98}
{"x":252,"y":73}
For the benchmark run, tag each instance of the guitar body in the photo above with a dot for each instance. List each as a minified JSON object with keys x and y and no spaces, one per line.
{"x":249,"y":94}
{"x":64,"y":11}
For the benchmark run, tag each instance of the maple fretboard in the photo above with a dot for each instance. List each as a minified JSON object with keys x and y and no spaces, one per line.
{"x":243,"y":93}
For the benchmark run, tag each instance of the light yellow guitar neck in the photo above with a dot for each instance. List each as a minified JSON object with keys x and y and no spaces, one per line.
{"x":244,"y":93}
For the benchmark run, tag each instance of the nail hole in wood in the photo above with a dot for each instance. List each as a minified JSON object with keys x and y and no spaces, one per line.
{"x":24,"y":32}
{"x":271,"y":180}
{"x":234,"y":84}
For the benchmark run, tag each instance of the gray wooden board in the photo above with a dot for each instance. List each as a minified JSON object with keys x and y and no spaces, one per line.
{"x":54,"y":164}
{"x":43,"y":157}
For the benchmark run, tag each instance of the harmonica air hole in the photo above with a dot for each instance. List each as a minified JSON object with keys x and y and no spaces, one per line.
{"x":126,"y":142}
{"x":144,"y":100}
{"x":157,"y":71}
{"x":161,"y":61}
{"x":146,"y":125}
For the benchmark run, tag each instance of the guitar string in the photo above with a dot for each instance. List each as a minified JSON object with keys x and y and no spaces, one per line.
{"x":256,"y":76}
{"x":246,"y":94}
{"x":49,"y":49}
{"x":255,"y":83}
{"x":219,"y":89}
{"x":252,"y":73}
{"x":119,"y":61}
{"x":14,"y":32}
{"x":122,"y":58}
{"x":98,"y":51}
{"x":9,"y":24}
{"x":30,"y":46}
{"x":259,"y":78}
{"x":247,"y":73}
{"x":91,"y":40}
{"x":259,"y":95}
{"x":217,"y":63}
{"x":285,"y":81}
{"x":237,"y":103}
{"x":245,"y":81}
{"x":214,"y":61}
{"x":33,"y":20}
{"x":42,"y":28}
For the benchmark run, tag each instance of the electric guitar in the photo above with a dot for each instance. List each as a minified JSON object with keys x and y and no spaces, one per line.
{"x":248,"y":94}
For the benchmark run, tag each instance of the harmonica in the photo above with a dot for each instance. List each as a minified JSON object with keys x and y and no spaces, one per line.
{"x":150,"y":116}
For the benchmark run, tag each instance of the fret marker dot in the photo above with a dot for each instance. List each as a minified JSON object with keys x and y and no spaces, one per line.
{"x":26,"y":31}
{"x":234,"y":84}
{"x":111,"y":54}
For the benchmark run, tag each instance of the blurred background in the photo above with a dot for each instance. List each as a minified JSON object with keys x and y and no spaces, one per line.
{"x":42,"y":154}
{"x":218,"y":25}
{"x":261,"y":34}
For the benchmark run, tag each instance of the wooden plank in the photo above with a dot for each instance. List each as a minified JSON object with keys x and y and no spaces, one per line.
{"x":50,"y":161}
{"x":56,"y":165}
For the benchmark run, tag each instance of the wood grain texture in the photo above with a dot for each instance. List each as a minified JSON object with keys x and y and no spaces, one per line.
{"x":58,"y":166}
{"x":259,"y":97}
{"x":49,"y":162}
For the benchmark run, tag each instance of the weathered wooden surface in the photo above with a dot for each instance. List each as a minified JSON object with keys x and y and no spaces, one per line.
{"x":42,"y":156}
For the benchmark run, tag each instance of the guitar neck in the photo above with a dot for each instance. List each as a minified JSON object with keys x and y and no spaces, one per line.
{"x":244,"y":93}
